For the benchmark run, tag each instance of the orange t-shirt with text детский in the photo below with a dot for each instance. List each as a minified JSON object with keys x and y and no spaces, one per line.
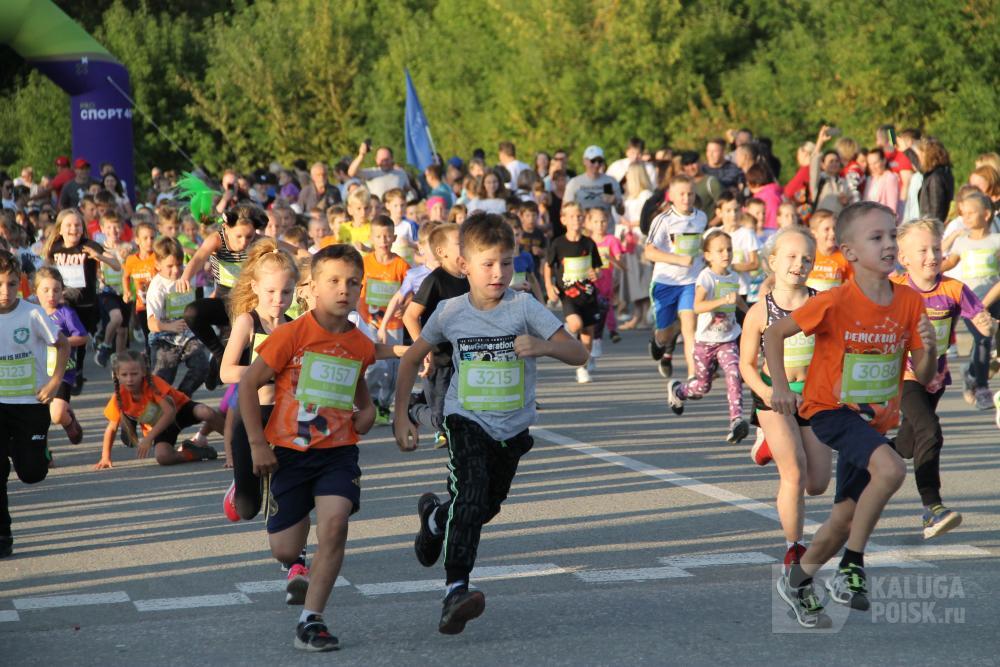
{"x":146,"y":410}
{"x":860,"y":351}
{"x":316,"y":375}
{"x":829,"y":271}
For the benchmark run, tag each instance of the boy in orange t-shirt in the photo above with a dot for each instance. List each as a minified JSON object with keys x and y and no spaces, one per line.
{"x":863,"y":332}
{"x":831,"y":269}
{"x":138,"y":271}
{"x":384,"y":273}
{"x":318,"y":363}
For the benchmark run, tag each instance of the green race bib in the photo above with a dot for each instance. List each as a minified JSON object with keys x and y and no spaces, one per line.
{"x":605,"y":253}
{"x":979,"y":263}
{"x":176,"y":302}
{"x":50,"y":361}
{"x":822,"y":285}
{"x":576,"y":269}
{"x":405,"y":250}
{"x":379,"y":292}
{"x":228,"y":273}
{"x":722,"y":289}
{"x":799,"y":350}
{"x":17,"y":377}
{"x":942,"y":332}
{"x":150,"y":414}
{"x":687,"y":244}
{"x":327,"y":381}
{"x":870,"y":378}
{"x":491,"y":385}
{"x":258,"y":338}
{"x":112,"y":278}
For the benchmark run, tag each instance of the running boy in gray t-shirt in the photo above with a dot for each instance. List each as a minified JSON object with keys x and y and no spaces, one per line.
{"x":495,"y":333}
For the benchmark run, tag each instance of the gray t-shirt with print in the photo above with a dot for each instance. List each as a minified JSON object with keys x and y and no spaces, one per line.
{"x":488,"y":336}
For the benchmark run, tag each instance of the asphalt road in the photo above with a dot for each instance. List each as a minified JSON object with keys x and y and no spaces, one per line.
{"x":631,"y":536}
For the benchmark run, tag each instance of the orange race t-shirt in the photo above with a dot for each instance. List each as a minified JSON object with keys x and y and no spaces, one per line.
{"x":381,"y":282}
{"x":829,"y":271}
{"x":860,"y":351}
{"x":136,"y":275}
{"x":317,"y":373}
{"x":146,"y":409}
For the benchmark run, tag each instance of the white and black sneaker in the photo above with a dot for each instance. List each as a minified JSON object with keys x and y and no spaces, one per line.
{"x":673,"y":397}
{"x":427,"y":545}
{"x":804,"y":602}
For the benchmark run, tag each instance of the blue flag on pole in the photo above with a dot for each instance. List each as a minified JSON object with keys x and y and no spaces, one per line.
{"x":419,"y":145}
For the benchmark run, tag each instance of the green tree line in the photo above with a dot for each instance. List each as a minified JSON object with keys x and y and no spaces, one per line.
{"x":241,"y":83}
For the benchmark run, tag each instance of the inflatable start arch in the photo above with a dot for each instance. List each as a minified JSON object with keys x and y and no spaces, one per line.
{"x":98,"y":85}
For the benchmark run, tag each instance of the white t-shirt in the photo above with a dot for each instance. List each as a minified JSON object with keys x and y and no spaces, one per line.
{"x":619,"y":168}
{"x":589,"y":193}
{"x":167,"y":305}
{"x":956,"y":226}
{"x":379,"y":182}
{"x":403,"y":246}
{"x":979,"y":268}
{"x":681,"y":235}
{"x":719,"y":325}
{"x":633,"y":206}
{"x":744,"y":243}
{"x":26,"y":333}
{"x":498,"y":206}
{"x":514,"y":168}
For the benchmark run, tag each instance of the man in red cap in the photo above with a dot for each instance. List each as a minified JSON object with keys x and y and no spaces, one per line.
{"x":74,"y":191}
{"x":62,"y":177}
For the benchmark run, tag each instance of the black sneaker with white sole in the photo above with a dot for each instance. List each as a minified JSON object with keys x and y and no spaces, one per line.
{"x":460,"y":607}
{"x":427,"y":545}
{"x":312,"y":635}
{"x":666,"y":366}
{"x":675,"y":401}
{"x":655,"y":350}
{"x":738,"y":429}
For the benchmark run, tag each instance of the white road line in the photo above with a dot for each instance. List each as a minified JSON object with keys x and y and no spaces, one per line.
{"x":166,"y":604}
{"x":275,"y":585}
{"x":931,"y":550}
{"x":51,"y":601}
{"x":488,"y":573}
{"x":709,"y":560}
{"x":691,"y":484}
{"x":7,"y":616}
{"x":635,"y":574}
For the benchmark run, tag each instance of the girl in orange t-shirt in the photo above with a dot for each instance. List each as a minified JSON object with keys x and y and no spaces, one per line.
{"x":162,"y":411}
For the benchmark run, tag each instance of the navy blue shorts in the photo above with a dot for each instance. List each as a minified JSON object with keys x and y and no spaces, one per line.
{"x":301,"y":476}
{"x":854,"y":440}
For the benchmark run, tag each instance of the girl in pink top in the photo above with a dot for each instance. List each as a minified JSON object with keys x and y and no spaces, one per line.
{"x":882,"y":185}
{"x":611,"y":251}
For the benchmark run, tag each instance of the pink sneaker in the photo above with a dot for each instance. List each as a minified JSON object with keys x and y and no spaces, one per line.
{"x":228,"y":506}
{"x":760,"y":452}
{"x":298,"y":584}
